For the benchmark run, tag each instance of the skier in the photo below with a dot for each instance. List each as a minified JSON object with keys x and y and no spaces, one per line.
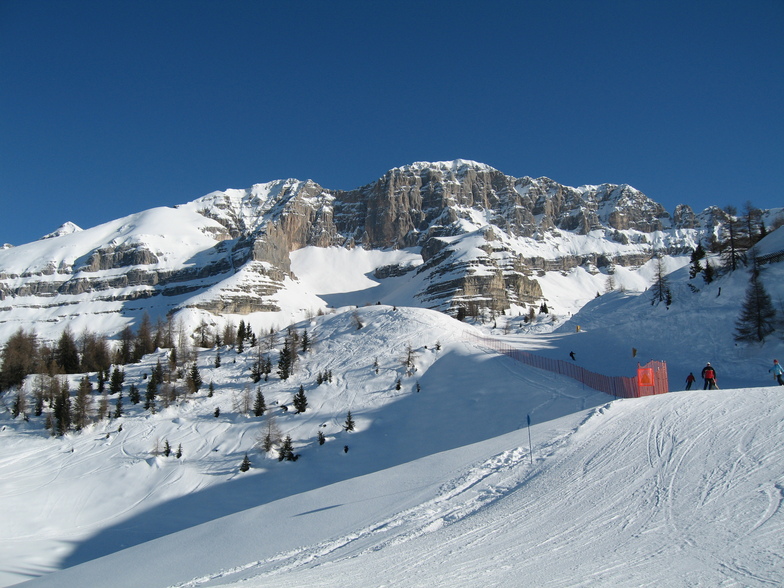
{"x":689,"y":380}
{"x":778,"y":372}
{"x":571,"y":354}
{"x":709,"y":375}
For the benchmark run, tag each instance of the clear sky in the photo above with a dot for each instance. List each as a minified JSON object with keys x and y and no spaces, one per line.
{"x":112,"y":107}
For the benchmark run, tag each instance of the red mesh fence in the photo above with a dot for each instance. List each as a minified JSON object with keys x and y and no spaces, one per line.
{"x":618,"y":386}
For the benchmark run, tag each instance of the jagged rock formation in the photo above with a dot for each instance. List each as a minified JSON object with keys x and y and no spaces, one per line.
{"x":483,"y":237}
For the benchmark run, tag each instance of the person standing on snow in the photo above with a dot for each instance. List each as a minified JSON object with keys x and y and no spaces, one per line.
{"x":690,"y":380}
{"x":709,"y":375}
{"x":778,"y":372}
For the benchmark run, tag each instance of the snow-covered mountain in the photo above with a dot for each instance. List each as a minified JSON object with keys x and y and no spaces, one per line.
{"x":441,"y":482}
{"x":444,"y":235}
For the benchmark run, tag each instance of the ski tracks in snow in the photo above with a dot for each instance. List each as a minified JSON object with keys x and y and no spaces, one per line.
{"x":456,"y":499}
{"x":602,"y":505}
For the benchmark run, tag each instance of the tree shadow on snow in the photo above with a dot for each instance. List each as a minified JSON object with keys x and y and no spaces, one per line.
{"x":457,"y":405}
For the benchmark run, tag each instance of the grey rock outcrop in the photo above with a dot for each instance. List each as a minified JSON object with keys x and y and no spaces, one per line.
{"x":240,"y":257}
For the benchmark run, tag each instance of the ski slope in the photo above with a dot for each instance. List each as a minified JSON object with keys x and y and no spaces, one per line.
{"x":439,"y":485}
{"x":682,"y":490}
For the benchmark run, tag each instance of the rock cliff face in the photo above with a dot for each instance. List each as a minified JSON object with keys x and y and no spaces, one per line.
{"x":483,"y":237}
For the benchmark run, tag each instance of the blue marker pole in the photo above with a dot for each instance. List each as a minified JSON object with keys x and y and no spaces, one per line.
{"x":530,"y":445}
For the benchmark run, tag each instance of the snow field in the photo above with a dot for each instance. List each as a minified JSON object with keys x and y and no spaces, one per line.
{"x":437,"y":487}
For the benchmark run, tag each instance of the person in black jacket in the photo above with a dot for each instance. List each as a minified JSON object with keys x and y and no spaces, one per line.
{"x":709,"y":375}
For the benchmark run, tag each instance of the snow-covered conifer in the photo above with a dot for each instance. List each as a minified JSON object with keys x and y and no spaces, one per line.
{"x":259,"y":405}
{"x":194,"y":379}
{"x":300,"y":401}
{"x":245,"y":465}
{"x":286,"y":451}
{"x":349,"y":424}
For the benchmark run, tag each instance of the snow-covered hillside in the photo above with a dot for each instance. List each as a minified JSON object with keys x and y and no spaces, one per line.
{"x":438,"y":485}
{"x":449,"y":236}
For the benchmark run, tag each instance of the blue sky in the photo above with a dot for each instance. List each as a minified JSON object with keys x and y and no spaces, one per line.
{"x":112,"y":107}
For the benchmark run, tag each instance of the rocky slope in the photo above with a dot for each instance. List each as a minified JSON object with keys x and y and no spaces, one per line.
{"x":483,"y":237}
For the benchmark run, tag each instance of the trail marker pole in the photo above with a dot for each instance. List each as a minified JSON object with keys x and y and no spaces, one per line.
{"x":530,"y":445}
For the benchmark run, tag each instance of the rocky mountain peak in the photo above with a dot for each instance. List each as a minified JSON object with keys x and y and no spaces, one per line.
{"x":483,"y":238}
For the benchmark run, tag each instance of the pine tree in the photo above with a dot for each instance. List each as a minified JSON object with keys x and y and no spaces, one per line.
{"x":103,"y":406}
{"x":300,"y":401}
{"x":95,"y":353}
{"x":242,"y":401}
{"x":178,"y":455}
{"x":257,"y":369}
{"x":696,"y":257}
{"x":211,"y":390}
{"x":194,"y":379}
{"x":118,"y":407}
{"x":133,"y":394}
{"x":18,"y":359}
{"x":259,"y":406}
{"x":217,"y":359}
{"x":166,"y":448}
{"x":409,"y":360}
{"x":229,"y":335}
{"x":305,"y":342}
{"x":125,"y":352}
{"x":158,"y":373}
{"x":152,"y":390}
{"x":284,"y":361}
{"x":757,"y":318}
{"x":116,"y":381}
{"x":143,"y":343}
{"x":19,"y":405}
{"x":245,"y":465}
{"x":349,"y":424}
{"x":660,"y":289}
{"x":287,"y":450}
{"x":709,"y":273}
{"x":82,"y":404}
{"x":732,"y":246}
{"x":321,"y":438}
{"x":62,"y":412}
{"x":67,"y":354}
{"x":38,"y":410}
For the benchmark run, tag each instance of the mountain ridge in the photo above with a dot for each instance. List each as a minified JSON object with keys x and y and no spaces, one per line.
{"x":485,"y":239}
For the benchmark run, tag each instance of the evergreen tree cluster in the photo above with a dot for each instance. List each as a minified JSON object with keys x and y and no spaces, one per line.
{"x":324,"y":376}
{"x":24,"y":354}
